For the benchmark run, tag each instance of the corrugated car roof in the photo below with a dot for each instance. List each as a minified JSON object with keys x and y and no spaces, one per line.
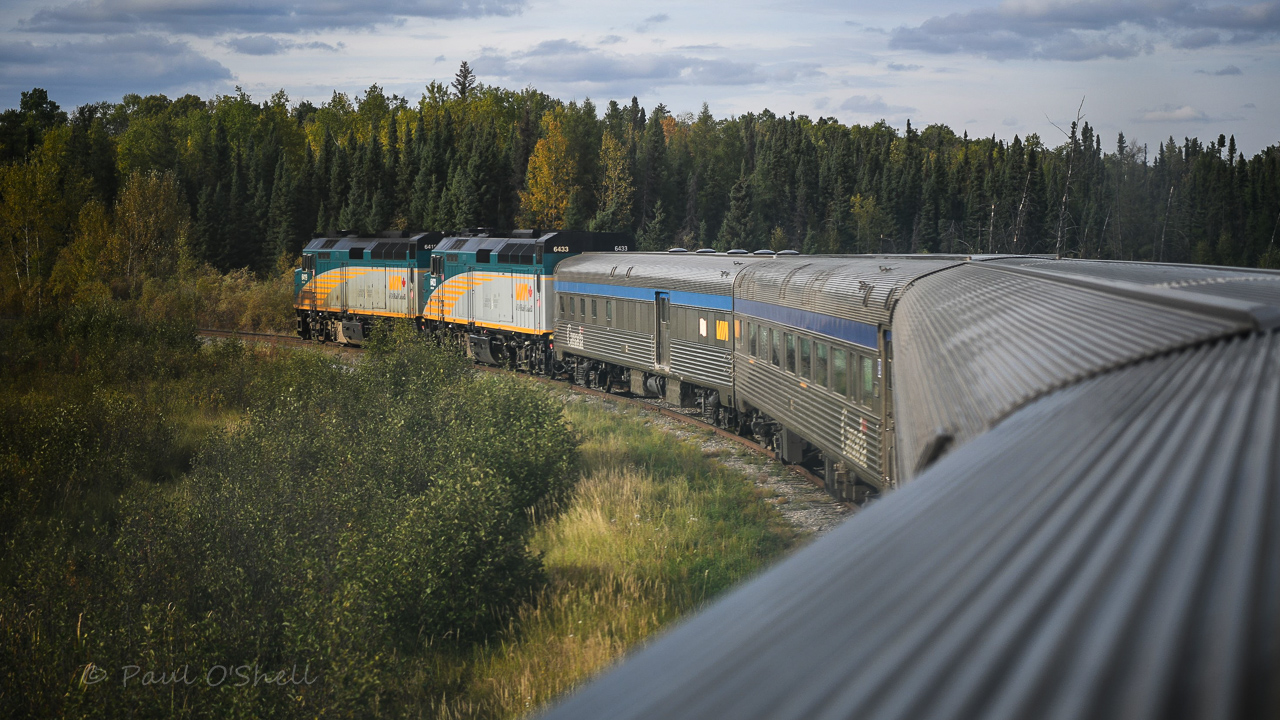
{"x":684,"y":272}
{"x":1111,"y":550}
{"x":862,"y":289}
{"x":976,"y":342}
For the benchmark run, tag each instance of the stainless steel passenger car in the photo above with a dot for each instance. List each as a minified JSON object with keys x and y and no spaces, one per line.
{"x":652,"y":323}
{"x":816,"y":359}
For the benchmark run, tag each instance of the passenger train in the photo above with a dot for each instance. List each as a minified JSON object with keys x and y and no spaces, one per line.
{"x":745,"y":338}
{"x":795,"y":350}
{"x":1091,"y":527}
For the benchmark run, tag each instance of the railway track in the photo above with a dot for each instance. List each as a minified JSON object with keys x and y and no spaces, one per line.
{"x":648,"y":404}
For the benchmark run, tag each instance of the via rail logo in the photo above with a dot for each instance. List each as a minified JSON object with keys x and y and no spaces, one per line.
{"x":524,"y":292}
{"x":395,"y":282}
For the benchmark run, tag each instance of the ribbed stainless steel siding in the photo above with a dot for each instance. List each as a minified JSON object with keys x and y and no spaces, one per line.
{"x":702,"y":364}
{"x":825,"y":419}
{"x":974,"y":342}
{"x":1110,"y":551}
{"x":862,"y":289}
{"x":621,"y":347}
{"x":686,"y":272}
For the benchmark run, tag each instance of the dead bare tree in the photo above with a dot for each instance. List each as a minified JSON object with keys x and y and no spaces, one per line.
{"x":1017,"y":223}
{"x":1071,"y":157}
{"x":1167,"y":205}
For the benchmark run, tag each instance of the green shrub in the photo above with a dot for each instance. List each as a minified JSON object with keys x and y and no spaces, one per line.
{"x":347,"y":519}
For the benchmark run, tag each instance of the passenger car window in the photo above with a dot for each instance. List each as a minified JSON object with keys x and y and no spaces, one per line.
{"x":869,"y":388}
{"x":790,"y":342}
{"x":593,"y":308}
{"x":839,"y":381}
{"x":582,"y":308}
{"x":820,"y":366}
{"x":775,"y":339}
{"x":561,"y":298}
{"x":608,"y":311}
{"x":751,"y":339}
{"x":804,"y":358}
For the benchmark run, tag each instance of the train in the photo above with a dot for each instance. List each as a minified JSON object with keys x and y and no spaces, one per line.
{"x":1085,"y":516}
{"x":711,"y":331}
{"x":794,"y":350}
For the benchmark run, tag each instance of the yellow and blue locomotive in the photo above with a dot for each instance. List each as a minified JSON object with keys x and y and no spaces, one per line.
{"x":492,"y":292}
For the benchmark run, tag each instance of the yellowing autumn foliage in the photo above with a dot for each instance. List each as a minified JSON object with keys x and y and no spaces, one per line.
{"x":549,"y":179}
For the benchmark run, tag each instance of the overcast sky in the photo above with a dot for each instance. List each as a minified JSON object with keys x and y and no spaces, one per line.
{"x":1151,"y":69}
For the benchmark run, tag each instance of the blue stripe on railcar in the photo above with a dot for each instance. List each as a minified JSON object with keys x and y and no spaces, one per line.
{"x":676,"y":297}
{"x":858,"y":333}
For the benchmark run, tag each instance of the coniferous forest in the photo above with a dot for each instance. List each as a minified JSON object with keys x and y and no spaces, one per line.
{"x":235,"y":183}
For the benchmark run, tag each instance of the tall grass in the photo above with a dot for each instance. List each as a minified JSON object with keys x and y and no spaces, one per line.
{"x":654,"y":530}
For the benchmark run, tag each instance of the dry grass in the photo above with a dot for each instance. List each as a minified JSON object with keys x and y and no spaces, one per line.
{"x":654,"y":530}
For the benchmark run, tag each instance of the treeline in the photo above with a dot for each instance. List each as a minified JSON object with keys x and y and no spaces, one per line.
{"x":254,"y":180}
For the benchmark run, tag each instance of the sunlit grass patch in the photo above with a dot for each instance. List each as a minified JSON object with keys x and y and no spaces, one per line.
{"x":654,"y":529}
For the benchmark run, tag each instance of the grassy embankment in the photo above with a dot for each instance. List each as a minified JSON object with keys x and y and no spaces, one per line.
{"x":655,"y":529}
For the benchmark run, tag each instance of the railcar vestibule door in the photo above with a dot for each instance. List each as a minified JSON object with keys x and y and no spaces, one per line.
{"x":662,"y":336}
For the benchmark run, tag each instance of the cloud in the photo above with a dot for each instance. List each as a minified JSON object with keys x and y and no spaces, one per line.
{"x":268,"y":45}
{"x":79,"y":72}
{"x":611,"y":40}
{"x":1184,"y":113}
{"x":899,"y":67}
{"x":1228,"y":70}
{"x":1197,"y":39}
{"x":567,"y":61}
{"x":1078,"y":30}
{"x":214,"y":17}
{"x":864,"y":105}
{"x":652,"y":20}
